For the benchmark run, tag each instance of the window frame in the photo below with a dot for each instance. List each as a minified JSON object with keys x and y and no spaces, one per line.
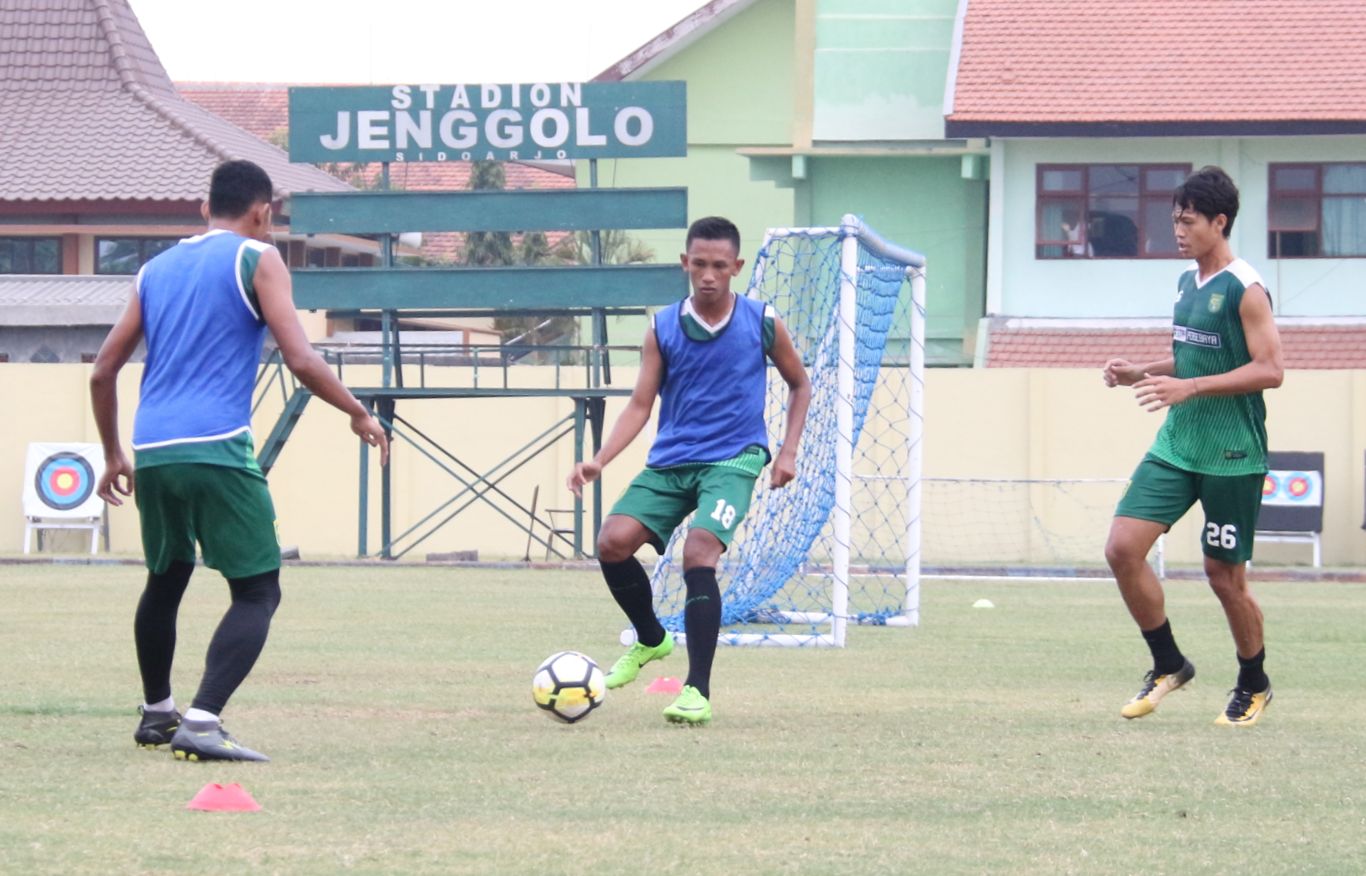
{"x":143,"y":257}
{"x":1081,"y":198}
{"x":1318,"y":195}
{"x":31,"y":241}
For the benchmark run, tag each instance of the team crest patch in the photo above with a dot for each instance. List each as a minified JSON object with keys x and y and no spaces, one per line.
{"x":1216,"y":302}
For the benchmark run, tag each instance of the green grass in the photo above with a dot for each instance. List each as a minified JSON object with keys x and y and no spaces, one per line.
{"x":396,"y":705}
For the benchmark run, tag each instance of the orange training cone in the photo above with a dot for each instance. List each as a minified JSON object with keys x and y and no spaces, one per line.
{"x":214,"y":797}
{"x":665,"y":685}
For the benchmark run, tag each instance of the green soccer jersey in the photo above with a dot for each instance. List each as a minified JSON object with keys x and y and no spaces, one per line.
{"x":1214,"y":434}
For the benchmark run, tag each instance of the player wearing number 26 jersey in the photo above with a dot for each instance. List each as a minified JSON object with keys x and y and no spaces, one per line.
{"x":1210,"y":449}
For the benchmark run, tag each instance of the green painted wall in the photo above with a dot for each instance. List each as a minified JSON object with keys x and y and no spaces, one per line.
{"x":740,"y":81}
{"x":740,"y":93}
{"x":880,"y":69}
{"x":926,"y":205}
{"x":884,"y":62}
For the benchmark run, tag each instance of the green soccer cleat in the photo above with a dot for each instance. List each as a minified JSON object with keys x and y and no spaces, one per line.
{"x":1245,"y":708}
{"x":155,"y":728}
{"x":690,"y":708}
{"x":1155,"y":687}
{"x":207,"y":740}
{"x":627,"y":667}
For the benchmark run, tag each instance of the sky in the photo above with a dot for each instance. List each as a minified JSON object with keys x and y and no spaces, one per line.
{"x":401,"y":41}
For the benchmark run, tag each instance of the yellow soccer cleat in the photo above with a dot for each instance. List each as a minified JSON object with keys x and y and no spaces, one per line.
{"x":1155,"y":687}
{"x":1245,"y":708}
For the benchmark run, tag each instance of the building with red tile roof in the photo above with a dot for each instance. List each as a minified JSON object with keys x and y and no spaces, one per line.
{"x":1092,"y":113}
{"x":102,"y":165}
{"x":1158,"y":67}
{"x":82,"y":92}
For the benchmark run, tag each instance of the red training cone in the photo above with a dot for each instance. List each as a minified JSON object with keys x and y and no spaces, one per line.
{"x":665,"y":685}
{"x":214,"y":797}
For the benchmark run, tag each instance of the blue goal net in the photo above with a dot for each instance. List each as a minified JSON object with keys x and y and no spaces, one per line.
{"x":838,"y":544}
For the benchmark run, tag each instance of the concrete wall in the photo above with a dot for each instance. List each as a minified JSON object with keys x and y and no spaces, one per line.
{"x":980,"y":423}
{"x":1019,"y":284}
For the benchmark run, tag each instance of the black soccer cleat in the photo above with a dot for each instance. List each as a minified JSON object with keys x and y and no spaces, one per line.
{"x":207,"y":740}
{"x":155,"y":728}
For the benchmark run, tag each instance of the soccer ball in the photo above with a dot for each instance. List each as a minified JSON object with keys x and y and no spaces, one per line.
{"x":567,"y":686}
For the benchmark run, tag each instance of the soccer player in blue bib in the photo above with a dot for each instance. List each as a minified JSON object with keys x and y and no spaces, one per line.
{"x":706,"y":358}
{"x":203,"y":307}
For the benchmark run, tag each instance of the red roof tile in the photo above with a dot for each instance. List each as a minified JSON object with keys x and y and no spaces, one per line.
{"x":262,"y":110}
{"x":1303,"y":346}
{"x":89,"y":113}
{"x":1152,"y":61}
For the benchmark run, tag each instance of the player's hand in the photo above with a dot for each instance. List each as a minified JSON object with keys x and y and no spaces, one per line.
{"x":116,"y":480}
{"x":1157,"y":392}
{"x":1121,"y":372}
{"x":784,"y":470}
{"x":583,"y":473}
{"x":372,"y":433}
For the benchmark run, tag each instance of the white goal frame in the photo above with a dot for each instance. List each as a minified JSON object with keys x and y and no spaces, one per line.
{"x":853,"y":234}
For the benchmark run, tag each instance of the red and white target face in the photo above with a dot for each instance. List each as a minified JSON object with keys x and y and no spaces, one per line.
{"x":64,"y":481}
{"x":1288,"y":488}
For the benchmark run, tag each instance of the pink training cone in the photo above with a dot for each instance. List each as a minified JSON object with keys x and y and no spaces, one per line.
{"x":214,"y":797}
{"x":665,"y":685}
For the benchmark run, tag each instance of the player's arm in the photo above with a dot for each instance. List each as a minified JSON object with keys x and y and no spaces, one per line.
{"x":114,"y":353}
{"x":1122,"y":372}
{"x":631,"y":421}
{"x":1264,"y":371}
{"x":275,"y":293}
{"x":789,"y":365}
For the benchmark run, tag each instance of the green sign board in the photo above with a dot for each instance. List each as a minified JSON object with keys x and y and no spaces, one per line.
{"x":536,"y":122}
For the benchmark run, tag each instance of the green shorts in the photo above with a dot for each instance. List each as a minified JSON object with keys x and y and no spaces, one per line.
{"x":228,"y":511}
{"x":662,"y":498}
{"x":1162,"y":493}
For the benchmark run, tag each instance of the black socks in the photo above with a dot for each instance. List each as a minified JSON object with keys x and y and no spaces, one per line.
{"x":702,"y":621}
{"x":154,"y":629}
{"x":1167,"y":657}
{"x":630,"y":586}
{"x":1250,"y":674}
{"x":238,"y":640}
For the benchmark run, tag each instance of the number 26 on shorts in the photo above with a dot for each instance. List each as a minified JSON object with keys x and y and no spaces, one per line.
{"x":1221,"y":536}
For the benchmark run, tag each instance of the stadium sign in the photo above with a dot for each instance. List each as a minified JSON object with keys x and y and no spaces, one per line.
{"x":524,"y":122}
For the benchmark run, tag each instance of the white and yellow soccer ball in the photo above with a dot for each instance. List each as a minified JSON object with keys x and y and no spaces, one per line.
{"x":568,"y":686}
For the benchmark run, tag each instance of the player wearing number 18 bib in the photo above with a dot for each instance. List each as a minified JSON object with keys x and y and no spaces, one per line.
{"x":1211,"y":449}
{"x":705,"y":357}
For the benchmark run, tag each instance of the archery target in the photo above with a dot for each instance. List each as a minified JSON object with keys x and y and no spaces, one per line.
{"x":64,"y":481}
{"x":61,"y":480}
{"x":1302,"y":489}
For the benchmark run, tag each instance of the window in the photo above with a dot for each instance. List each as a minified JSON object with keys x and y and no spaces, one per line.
{"x":1097,"y":211}
{"x":1316,"y":211}
{"x":127,"y":255}
{"x":30,"y":255}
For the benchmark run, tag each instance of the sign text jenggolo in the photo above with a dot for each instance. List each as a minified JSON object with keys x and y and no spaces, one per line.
{"x":521,"y":122}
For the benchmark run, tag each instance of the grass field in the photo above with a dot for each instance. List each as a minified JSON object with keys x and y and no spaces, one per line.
{"x":396,"y":705}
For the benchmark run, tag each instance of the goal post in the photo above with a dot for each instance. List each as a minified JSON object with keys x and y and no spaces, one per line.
{"x":841,"y":543}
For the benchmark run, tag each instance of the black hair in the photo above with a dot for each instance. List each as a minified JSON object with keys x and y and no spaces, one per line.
{"x":713,"y":228}
{"x":1209,"y":191}
{"x":236,"y":187}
